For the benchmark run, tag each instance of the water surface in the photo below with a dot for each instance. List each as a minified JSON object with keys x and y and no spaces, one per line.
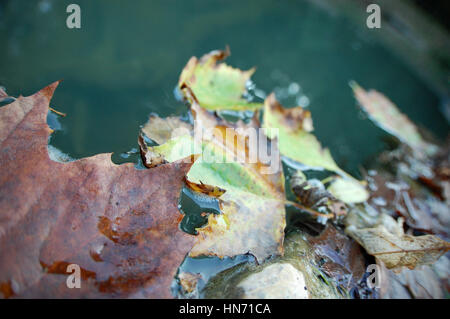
{"x":125,"y":61}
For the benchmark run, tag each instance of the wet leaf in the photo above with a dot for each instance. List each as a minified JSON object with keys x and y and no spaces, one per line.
{"x":150,"y":158}
{"x":397,"y":190}
{"x":294,"y":138}
{"x":419,"y":283}
{"x":209,"y":190}
{"x":349,"y":191}
{"x":189,"y":283}
{"x":119,"y":224}
{"x":339,"y":256}
{"x":386,"y":115}
{"x":252,"y":218}
{"x":383,"y":237}
{"x":312,"y":194}
{"x":217,"y":86}
{"x":161,"y":130}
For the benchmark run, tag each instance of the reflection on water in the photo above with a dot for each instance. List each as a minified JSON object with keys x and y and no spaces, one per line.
{"x":125,"y":61}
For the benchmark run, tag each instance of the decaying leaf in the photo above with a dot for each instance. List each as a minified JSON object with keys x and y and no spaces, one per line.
{"x":348,"y":190}
{"x":384,"y":238}
{"x":339,"y":256}
{"x":294,"y":137}
{"x":149,"y":157}
{"x":387,"y":115}
{"x":189,"y":282}
{"x":118,"y":224}
{"x":253,"y":214}
{"x":419,"y":283}
{"x":399,"y":187}
{"x":161,"y":130}
{"x":217,"y":86}
{"x":313,"y":194}
{"x":209,"y":190}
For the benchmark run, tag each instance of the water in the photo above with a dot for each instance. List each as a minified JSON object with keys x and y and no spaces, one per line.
{"x":125,"y":61}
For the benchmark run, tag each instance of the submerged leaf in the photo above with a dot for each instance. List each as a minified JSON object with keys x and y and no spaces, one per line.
{"x":386,"y":114}
{"x":118,"y":224}
{"x":217,"y":86}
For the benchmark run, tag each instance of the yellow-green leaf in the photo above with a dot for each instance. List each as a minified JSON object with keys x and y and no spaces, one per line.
{"x":217,"y":86}
{"x":294,"y":138}
{"x":348,"y":190}
{"x":252,"y":218}
{"x":384,"y":113}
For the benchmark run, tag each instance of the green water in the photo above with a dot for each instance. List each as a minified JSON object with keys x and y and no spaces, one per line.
{"x":125,"y":61}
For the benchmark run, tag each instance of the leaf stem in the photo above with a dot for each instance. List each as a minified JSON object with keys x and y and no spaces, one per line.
{"x":57,"y":112}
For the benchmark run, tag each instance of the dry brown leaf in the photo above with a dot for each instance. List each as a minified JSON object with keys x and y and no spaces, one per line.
{"x":119,"y":224}
{"x":150,"y":158}
{"x":419,"y":283}
{"x":386,"y":241}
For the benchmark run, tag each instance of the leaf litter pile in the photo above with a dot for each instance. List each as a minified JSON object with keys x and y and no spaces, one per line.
{"x":121,"y":225}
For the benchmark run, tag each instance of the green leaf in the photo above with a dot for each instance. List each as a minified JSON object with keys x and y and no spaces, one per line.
{"x":294,"y":138}
{"x":217,"y":86}
{"x":348,"y":190}
{"x":252,"y":218}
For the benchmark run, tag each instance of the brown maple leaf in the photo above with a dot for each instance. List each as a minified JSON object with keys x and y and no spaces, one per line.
{"x":119,"y":224}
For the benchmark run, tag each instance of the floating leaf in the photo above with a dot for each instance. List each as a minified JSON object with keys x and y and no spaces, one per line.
{"x":348,"y":190}
{"x":189,"y":283}
{"x":118,"y":224}
{"x":161,"y":130}
{"x":384,"y":238}
{"x":386,"y":115}
{"x":252,"y":218}
{"x":217,"y":86}
{"x":294,"y":138}
{"x":150,"y":158}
